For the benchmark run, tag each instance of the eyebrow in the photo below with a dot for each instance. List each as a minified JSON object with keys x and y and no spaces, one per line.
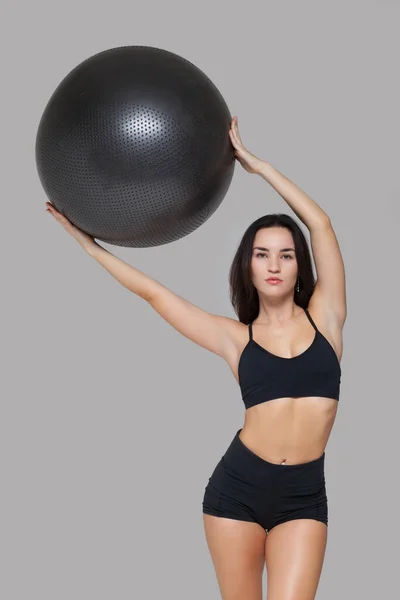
{"x":267,"y":249}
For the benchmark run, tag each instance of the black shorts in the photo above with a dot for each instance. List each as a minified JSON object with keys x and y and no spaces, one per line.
{"x":246,"y":487}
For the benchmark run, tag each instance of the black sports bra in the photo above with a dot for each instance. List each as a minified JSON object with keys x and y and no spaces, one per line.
{"x":265,"y":376}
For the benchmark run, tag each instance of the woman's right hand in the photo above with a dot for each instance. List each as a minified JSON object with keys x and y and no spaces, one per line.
{"x":85,"y":240}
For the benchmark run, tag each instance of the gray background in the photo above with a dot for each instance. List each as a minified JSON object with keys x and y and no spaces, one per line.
{"x":111,"y":421}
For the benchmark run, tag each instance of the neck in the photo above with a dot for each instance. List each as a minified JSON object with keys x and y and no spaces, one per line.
{"x":278,"y":315}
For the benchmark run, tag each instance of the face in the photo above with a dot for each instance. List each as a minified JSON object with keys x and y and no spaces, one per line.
{"x":274,"y":256}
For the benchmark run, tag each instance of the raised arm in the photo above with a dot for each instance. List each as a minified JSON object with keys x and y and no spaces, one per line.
{"x":330,"y":289}
{"x":213,"y":332}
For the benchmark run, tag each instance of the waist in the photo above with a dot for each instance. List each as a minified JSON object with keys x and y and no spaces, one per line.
{"x":295,"y":429}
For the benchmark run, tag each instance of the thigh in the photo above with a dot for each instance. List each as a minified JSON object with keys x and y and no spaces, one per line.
{"x":237,"y":550}
{"x":294,"y":555}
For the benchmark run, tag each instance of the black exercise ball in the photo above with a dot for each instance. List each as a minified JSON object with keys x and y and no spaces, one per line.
{"x":133,"y":147}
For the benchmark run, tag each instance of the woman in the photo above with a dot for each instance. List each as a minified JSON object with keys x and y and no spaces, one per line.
{"x":266,"y":500}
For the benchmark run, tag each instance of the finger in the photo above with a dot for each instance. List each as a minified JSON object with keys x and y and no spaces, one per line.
{"x":237,"y":132}
{"x":236,"y":145}
{"x":51,"y":210}
{"x":234,"y":137}
{"x":239,"y":142}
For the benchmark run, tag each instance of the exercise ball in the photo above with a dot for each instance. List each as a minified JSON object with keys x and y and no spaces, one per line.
{"x":133,"y":147}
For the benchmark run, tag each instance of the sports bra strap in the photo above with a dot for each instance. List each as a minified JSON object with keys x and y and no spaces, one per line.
{"x":310,"y":319}
{"x":251,"y":331}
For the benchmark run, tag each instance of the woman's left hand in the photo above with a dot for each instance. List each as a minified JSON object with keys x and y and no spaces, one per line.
{"x":249,"y":162}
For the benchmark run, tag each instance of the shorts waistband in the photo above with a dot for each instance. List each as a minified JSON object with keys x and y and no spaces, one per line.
{"x":238,"y":451}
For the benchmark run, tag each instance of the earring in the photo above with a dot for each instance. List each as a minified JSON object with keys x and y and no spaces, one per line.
{"x":298,"y":285}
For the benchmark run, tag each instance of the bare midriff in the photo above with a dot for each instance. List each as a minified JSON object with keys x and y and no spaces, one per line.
{"x":289,"y":430}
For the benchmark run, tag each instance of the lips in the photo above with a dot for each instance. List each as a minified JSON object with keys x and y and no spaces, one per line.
{"x":273,"y":279}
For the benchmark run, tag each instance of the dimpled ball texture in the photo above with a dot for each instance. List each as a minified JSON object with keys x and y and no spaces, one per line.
{"x":133,"y":147}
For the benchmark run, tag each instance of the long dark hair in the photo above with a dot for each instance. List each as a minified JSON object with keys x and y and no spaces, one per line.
{"x":243,"y":294}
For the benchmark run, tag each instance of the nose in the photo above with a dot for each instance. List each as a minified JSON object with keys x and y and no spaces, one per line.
{"x":273,"y":267}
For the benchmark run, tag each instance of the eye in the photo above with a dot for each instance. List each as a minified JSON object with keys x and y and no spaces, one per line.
{"x":263,"y":254}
